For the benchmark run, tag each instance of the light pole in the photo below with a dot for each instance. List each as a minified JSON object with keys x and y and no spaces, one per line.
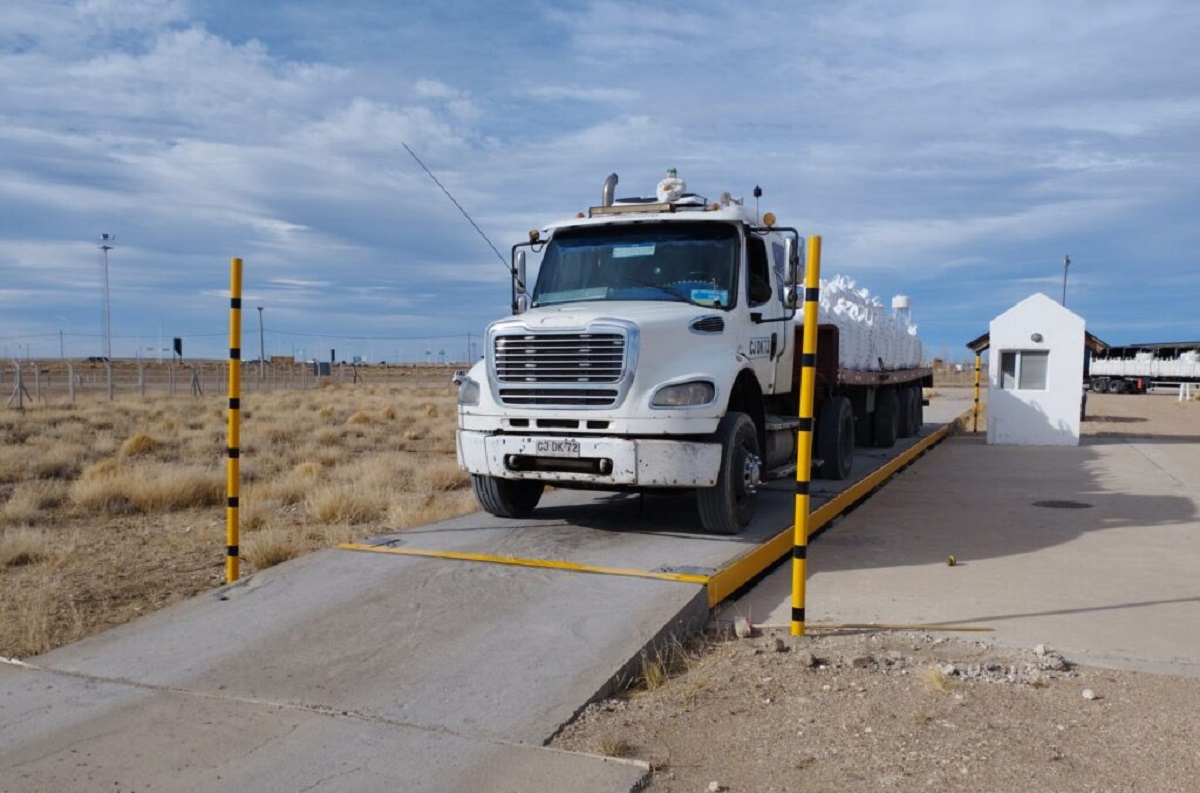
{"x":1066,"y":264}
{"x":262,"y":348}
{"x":62,"y":347}
{"x":106,"y":315}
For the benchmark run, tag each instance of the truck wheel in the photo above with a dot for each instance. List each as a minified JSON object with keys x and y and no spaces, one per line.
{"x":506,"y":498}
{"x":887,"y":418}
{"x":727,"y":507}
{"x":907,"y":418}
{"x":835,"y":438}
{"x":1116,"y":386}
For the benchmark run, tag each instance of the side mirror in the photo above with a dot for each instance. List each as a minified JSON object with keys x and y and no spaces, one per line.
{"x":520,"y":299}
{"x":791,"y":272}
{"x":520,"y":272}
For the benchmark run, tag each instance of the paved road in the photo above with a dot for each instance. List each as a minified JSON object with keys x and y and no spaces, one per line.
{"x":350,"y":670}
{"x":1112,"y":583}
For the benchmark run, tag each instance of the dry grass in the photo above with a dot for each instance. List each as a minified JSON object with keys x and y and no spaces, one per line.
{"x":615,"y":746}
{"x":937,"y":680}
{"x":659,"y":665}
{"x":90,"y":493}
{"x":23,"y":546}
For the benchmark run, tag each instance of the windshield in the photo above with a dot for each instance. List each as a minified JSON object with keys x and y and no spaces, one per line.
{"x":685,"y":262}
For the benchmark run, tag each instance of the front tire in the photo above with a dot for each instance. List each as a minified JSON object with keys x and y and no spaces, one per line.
{"x":507,"y":498}
{"x":728,"y":507}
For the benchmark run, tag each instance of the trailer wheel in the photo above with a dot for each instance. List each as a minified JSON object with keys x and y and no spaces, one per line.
{"x":835,"y":438}
{"x":1116,"y":386}
{"x":728,"y":507}
{"x":1099,"y":384}
{"x":887,"y":418}
{"x":907,"y":414}
{"x":506,"y":498}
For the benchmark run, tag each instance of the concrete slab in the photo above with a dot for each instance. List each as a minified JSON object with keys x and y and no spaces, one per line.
{"x":64,"y":732}
{"x":1112,"y":583}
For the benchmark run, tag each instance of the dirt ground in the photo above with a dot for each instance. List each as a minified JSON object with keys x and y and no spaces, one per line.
{"x":910,"y":711}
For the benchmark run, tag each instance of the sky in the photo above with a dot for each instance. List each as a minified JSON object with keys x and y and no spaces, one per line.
{"x":954,"y":152}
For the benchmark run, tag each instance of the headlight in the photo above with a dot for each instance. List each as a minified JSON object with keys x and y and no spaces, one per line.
{"x":683,"y":395}
{"x":468,"y":392}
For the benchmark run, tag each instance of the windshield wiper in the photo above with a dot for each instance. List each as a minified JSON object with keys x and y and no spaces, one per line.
{"x":670,"y":290}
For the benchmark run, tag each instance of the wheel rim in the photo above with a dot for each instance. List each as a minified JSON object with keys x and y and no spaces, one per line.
{"x":751,"y":474}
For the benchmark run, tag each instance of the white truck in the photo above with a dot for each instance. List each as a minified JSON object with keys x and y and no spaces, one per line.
{"x":1134,"y":368}
{"x":658,"y":350}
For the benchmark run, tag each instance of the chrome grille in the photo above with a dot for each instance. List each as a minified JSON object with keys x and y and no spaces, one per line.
{"x":566,"y":370}
{"x":560,"y":358}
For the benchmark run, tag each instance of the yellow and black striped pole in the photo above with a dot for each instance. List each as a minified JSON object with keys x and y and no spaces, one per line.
{"x":232,"y":479}
{"x":975,"y":419}
{"x":808,"y":378}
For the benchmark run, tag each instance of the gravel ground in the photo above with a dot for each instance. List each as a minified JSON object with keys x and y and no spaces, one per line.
{"x":910,"y":711}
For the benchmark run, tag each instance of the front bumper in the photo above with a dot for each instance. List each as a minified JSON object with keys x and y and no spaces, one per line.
{"x":642,"y":462}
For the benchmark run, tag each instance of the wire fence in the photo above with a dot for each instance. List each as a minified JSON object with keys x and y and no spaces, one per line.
{"x":33,"y":382}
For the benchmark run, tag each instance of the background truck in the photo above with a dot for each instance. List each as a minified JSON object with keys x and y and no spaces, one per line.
{"x":658,"y":350}
{"x":1135,"y":368}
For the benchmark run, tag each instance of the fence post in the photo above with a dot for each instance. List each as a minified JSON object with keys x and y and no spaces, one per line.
{"x":108,"y":368}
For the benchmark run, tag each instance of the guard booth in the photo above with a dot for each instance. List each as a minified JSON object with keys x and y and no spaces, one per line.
{"x":1036,"y":386}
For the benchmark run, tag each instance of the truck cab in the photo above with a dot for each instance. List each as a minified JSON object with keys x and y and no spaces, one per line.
{"x":644,"y":356}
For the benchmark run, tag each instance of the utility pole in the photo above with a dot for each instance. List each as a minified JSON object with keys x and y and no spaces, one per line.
{"x":1066,"y":264}
{"x":106,"y":315}
{"x":262,"y":347}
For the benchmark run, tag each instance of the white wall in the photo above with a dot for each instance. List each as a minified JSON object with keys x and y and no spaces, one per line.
{"x":1037,"y":417}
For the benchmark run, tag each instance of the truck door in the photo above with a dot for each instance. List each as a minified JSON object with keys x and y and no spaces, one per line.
{"x":770,"y":336}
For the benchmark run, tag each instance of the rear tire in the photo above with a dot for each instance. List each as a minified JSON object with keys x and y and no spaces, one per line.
{"x":887,"y":418}
{"x":728,"y":507}
{"x":907,"y":424}
{"x":507,"y":498}
{"x":835,"y":438}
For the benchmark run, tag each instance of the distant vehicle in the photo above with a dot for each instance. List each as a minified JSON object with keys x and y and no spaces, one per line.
{"x":1135,"y":368}
{"x":658,"y":350}
{"x":96,"y":359}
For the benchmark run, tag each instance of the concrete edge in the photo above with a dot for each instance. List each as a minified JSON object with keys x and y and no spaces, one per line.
{"x":687,"y":622}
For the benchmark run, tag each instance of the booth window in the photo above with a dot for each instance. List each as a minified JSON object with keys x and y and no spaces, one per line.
{"x":1024,"y":370}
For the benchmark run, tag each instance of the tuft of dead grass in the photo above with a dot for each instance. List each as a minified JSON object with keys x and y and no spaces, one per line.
{"x":23,"y":545}
{"x":32,"y":501}
{"x":935,"y":679}
{"x":270,"y":547}
{"x":615,"y":746}
{"x":141,"y":443}
{"x":149,"y":488}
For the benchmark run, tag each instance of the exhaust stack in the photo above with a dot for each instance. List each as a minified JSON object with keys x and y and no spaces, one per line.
{"x":610,"y":187}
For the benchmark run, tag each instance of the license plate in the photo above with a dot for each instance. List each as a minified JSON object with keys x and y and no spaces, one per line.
{"x":558,"y":447}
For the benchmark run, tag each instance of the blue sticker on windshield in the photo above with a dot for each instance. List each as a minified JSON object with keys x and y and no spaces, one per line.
{"x":630,"y":251}
{"x":710,"y":297}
